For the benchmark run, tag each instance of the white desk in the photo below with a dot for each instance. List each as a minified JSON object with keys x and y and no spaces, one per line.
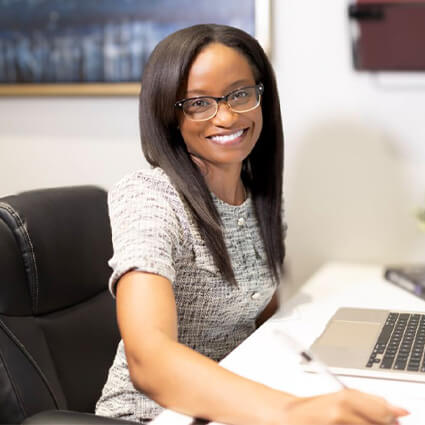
{"x":263,"y":358}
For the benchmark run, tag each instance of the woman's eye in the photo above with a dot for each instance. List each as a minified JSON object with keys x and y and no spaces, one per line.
{"x":239,"y":94}
{"x":199,"y":103}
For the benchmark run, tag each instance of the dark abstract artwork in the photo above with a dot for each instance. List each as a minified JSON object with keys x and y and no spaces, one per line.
{"x":98,"y":41}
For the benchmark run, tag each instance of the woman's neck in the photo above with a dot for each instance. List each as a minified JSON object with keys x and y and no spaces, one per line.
{"x":227,"y":185}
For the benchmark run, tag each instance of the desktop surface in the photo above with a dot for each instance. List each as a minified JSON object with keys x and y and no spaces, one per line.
{"x":265,"y":358}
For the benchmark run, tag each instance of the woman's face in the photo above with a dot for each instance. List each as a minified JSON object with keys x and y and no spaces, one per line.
{"x":228,"y":138}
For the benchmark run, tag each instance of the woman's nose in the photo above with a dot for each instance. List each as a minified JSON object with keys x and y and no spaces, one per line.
{"x":224,"y":116}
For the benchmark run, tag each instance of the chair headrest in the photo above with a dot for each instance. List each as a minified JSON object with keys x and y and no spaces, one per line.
{"x":54,"y":246}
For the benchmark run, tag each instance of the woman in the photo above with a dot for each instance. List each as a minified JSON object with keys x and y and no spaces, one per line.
{"x":198,"y":241}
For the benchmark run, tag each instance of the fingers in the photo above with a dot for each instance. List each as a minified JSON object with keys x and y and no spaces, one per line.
{"x":346,"y":407}
{"x":369,"y":408}
{"x":398,"y":411}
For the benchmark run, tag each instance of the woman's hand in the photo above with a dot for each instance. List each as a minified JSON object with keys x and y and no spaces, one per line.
{"x":346,"y":407}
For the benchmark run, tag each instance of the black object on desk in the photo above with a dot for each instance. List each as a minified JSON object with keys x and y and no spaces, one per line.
{"x":409,"y":277}
{"x":198,"y":421}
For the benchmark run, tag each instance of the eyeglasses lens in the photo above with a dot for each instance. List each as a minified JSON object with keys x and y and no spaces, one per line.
{"x":204,"y":108}
{"x":243,"y":100}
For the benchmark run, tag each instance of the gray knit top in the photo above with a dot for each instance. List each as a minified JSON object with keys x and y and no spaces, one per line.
{"x":153,"y":231}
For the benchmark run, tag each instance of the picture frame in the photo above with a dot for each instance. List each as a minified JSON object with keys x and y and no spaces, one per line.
{"x":30,"y":52}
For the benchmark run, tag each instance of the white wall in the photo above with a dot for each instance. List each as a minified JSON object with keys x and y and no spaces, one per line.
{"x":66,"y":141}
{"x":354,"y":149}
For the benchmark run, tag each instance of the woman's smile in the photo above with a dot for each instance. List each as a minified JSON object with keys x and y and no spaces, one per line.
{"x":228,"y":138}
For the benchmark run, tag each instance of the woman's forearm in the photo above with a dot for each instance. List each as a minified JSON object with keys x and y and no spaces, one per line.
{"x":183,"y":380}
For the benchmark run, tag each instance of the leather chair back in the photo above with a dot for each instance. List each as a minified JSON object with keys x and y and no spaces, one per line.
{"x":58,"y":331}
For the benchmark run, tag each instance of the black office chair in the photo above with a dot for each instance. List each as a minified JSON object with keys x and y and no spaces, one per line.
{"x":58,"y":332}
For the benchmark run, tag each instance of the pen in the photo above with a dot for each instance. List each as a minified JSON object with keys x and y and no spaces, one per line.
{"x":295,"y":346}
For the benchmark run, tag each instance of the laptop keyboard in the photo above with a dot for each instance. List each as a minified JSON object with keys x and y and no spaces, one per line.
{"x":400,"y":346}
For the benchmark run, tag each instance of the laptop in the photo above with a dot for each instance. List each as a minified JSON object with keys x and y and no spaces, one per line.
{"x":373,"y":343}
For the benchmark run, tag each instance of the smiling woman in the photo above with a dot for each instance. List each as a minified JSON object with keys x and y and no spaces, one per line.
{"x":213,"y":60}
{"x":198,"y":241}
{"x":225,"y":139}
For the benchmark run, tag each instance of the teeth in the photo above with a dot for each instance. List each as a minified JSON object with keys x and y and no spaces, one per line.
{"x":227,"y":138}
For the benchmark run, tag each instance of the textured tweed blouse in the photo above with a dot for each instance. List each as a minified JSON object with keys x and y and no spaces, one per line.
{"x":153,"y":231}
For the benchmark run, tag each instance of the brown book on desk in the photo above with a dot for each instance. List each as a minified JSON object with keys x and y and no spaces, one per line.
{"x":409,"y":277}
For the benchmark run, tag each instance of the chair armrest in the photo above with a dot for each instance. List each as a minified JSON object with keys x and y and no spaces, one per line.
{"x":67,"y":417}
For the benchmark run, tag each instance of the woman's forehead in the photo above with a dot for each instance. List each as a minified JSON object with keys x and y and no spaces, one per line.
{"x":218,"y":66}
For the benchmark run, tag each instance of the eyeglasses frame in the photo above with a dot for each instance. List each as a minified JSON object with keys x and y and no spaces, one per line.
{"x":259,"y":88}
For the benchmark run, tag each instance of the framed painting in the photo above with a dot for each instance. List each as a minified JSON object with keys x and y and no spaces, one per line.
{"x":99,"y":47}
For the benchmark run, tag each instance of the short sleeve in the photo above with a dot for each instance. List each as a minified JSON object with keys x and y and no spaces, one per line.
{"x":145,"y":229}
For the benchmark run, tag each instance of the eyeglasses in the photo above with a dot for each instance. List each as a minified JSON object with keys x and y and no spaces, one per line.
{"x":204,"y":108}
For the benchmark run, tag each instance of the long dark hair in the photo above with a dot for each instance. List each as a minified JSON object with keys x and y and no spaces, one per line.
{"x":163,"y":146}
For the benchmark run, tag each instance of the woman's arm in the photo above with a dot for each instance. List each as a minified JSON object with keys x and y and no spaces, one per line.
{"x":174,"y":375}
{"x":181,"y":379}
